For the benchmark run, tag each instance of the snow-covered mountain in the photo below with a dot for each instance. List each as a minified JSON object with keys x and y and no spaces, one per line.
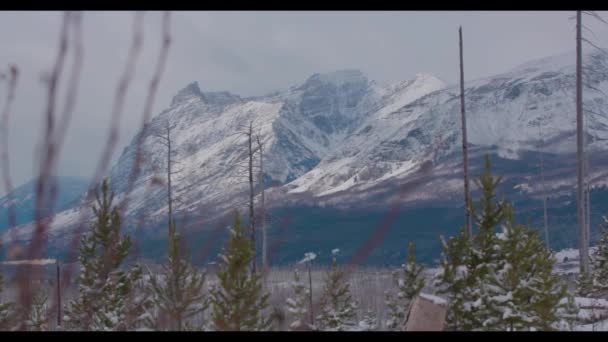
{"x":298,"y":127}
{"x":23,"y":200}
{"x":508,"y":113}
{"x":340,"y":138}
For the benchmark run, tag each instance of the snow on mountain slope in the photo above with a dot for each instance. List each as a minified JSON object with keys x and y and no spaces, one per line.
{"x":298,"y":128}
{"x":23,"y":200}
{"x":507,"y":112}
{"x":341,"y":134}
{"x":353,"y":161}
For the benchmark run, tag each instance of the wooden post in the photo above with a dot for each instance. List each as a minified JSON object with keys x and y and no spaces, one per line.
{"x":582,"y":238}
{"x":465,"y":157}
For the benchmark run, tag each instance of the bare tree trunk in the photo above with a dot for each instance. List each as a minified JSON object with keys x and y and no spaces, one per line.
{"x":587,"y":183}
{"x":588,"y":213}
{"x":262,"y":207}
{"x":543,"y":189}
{"x":465,"y":157}
{"x":587,"y":198}
{"x":164,"y":138}
{"x":169,"y":194}
{"x":251,"y":216}
{"x":583,"y":244}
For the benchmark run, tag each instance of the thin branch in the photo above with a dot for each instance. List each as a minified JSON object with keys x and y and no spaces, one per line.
{"x":152,"y":89}
{"x":595,"y":15}
{"x":4,"y":145}
{"x":120,"y":95}
{"x":595,"y":46}
{"x":124,"y":81}
{"x":70,"y":102}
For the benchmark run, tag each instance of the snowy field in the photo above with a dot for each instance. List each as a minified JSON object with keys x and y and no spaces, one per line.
{"x":368,"y":287}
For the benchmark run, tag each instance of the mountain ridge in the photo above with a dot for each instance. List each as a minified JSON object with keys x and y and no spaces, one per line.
{"x":340,"y":139}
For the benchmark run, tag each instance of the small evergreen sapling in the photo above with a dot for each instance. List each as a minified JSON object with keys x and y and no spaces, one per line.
{"x":466,"y":265}
{"x":547,"y":291}
{"x":524,"y":292}
{"x":337,"y":306}
{"x":499,"y":282}
{"x":599,"y":264}
{"x":297,"y":305}
{"x":106,"y":298}
{"x":453,"y":280}
{"x":409,"y":282}
{"x":237,"y":303}
{"x":178,"y":292}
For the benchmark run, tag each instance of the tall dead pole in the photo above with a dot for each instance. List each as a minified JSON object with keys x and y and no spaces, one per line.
{"x":582,"y":236}
{"x":543,"y":189}
{"x":169,"y":194}
{"x":251,"y":194}
{"x":164,"y":138}
{"x":465,"y":157}
{"x":262,"y":207}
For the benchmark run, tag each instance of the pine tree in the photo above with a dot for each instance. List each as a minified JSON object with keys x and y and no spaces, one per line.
{"x":599,"y":264}
{"x":466,"y":265}
{"x":507,"y":288}
{"x":178,"y":291}
{"x":297,"y":305}
{"x":409,"y":284}
{"x":106,"y":299}
{"x":5,"y":308}
{"x":337,"y":306}
{"x":238,"y":303}
{"x":524,"y":293}
{"x":453,"y":280}
{"x":499,"y":281}
{"x":547,"y":291}
{"x":485,"y":257}
{"x":568,"y":313}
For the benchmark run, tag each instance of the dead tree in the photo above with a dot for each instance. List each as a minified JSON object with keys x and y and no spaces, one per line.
{"x":543,"y":189}
{"x":582,"y":235}
{"x":262,"y":206}
{"x":163,"y":135}
{"x":587,"y":193}
{"x":251,"y":193}
{"x":583,"y":181}
{"x":465,"y":157}
{"x":249,"y":170}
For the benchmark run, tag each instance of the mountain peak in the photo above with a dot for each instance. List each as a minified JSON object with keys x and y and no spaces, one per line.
{"x":421,"y":83}
{"x":339,"y":77}
{"x":424,"y":77}
{"x":188,"y":92}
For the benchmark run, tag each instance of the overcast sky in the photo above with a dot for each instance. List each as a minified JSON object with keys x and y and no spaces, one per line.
{"x":253,"y":53}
